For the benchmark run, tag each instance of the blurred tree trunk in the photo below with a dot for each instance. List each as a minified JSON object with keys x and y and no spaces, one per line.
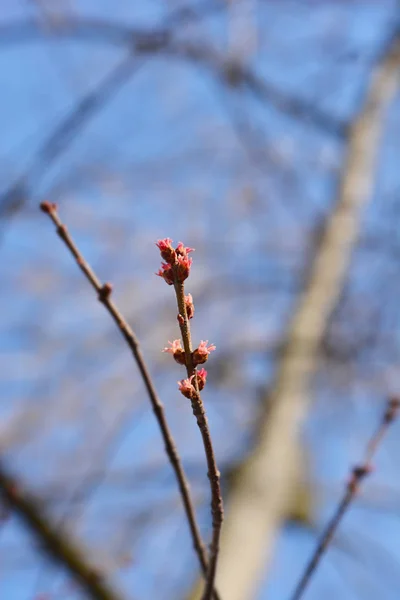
{"x":265,"y":484}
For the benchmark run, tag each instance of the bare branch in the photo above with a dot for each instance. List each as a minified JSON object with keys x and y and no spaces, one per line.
{"x":199,"y":412}
{"x":63,"y":135}
{"x":260,"y":500}
{"x":141,"y":43}
{"x":104,"y":295}
{"x":57,"y":543}
{"x":357,"y":475}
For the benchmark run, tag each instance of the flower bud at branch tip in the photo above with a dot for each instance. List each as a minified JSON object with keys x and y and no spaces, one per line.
{"x":166,"y":250}
{"x":177,"y":262}
{"x":182,"y":250}
{"x":48,"y":207}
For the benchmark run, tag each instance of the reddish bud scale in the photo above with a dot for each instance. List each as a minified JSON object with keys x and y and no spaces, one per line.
{"x":186,"y":388}
{"x":48,"y":207}
{"x":166,"y":250}
{"x":105,"y":292}
{"x":200,"y":355}
{"x":166,"y":273}
{"x":177,"y":262}
{"x":357,"y":474}
{"x":182,"y":268}
{"x":189,"y":306}
{"x":179,"y":357}
{"x":201,"y":377}
{"x":199,"y":359}
{"x":181,"y":250}
{"x":177,"y":351}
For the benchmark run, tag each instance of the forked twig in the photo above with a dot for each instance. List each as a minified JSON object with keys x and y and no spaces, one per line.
{"x":357,"y":475}
{"x":104,"y":295}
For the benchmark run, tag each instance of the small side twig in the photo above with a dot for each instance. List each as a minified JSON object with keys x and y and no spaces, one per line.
{"x":104,"y":296}
{"x":174,"y":271}
{"x":357,"y":475}
{"x":56,"y":542}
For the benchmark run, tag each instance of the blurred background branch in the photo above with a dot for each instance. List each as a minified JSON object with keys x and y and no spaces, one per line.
{"x":263,"y":493}
{"x":232,"y":126}
{"x":55,"y":542}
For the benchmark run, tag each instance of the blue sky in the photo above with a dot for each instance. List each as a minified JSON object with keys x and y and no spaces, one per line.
{"x":162,"y":157}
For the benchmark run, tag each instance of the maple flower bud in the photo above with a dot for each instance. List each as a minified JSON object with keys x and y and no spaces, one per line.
{"x":177,"y":351}
{"x":182,"y":267}
{"x":186,"y":387}
{"x":201,"y":378}
{"x":48,"y":207}
{"x":189,"y":306}
{"x":182,"y":250}
{"x":166,"y":250}
{"x":200,"y":355}
{"x":166,"y":273}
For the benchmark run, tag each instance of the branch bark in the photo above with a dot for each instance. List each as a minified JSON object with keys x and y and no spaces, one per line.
{"x":60,"y":547}
{"x":259,"y":501}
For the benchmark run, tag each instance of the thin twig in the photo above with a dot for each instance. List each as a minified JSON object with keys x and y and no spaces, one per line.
{"x":140,"y":43}
{"x":56,"y":542}
{"x":202,"y":422}
{"x":104,"y":296}
{"x":357,"y":475}
{"x":64,"y":134}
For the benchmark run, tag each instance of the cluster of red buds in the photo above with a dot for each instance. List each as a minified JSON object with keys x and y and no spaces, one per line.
{"x":186,"y":386}
{"x":199,"y":356}
{"x":176,"y":267}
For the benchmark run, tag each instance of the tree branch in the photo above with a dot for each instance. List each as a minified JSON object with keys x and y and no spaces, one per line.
{"x":57,"y":543}
{"x":259,"y":502}
{"x":63,"y":135}
{"x":143,"y":43}
{"x":199,"y":412}
{"x":352,"y":488}
{"x":104,"y":295}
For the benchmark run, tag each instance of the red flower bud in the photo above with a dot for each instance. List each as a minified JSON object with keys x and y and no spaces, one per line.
{"x":177,"y":351}
{"x":201,"y":378}
{"x":166,"y":273}
{"x":200,"y":355}
{"x":166,"y":250}
{"x":189,"y":306}
{"x":186,"y":387}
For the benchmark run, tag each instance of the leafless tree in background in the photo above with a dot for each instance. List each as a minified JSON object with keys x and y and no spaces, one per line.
{"x":278,"y":178}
